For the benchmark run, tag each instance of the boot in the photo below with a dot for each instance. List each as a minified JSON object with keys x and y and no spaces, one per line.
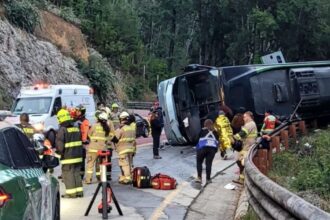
{"x":69,"y":196}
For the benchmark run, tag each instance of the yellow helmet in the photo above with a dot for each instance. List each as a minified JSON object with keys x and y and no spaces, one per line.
{"x":123,"y":115}
{"x":63,"y":116}
{"x":114,"y":105}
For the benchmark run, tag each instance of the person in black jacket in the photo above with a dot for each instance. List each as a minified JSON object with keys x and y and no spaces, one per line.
{"x":156,"y":122}
{"x":206,"y":149}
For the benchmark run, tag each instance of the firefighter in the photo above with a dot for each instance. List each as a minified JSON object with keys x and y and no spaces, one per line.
{"x":247,"y":135}
{"x":269,"y":124}
{"x":114,"y":115}
{"x":69,"y":146}
{"x":125,"y":147}
{"x":100,"y":134}
{"x":225,"y":132}
{"x":26,"y":126}
{"x":84,"y":126}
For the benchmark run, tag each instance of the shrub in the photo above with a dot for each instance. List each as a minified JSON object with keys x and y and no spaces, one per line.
{"x":22,"y":14}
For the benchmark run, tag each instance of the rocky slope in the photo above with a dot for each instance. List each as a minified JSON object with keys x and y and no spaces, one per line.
{"x":25,"y":60}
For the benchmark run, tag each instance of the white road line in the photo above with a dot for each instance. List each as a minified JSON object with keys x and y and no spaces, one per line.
{"x":168,"y":199}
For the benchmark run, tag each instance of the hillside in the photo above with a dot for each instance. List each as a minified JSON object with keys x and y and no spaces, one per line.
{"x":55,"y":53}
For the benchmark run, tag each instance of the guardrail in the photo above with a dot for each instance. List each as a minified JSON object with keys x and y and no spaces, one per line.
{"x":268,"y":199}
{"x":139,"y":105}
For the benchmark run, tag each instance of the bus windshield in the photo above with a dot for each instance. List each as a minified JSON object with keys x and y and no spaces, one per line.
{"x":36,"y":105}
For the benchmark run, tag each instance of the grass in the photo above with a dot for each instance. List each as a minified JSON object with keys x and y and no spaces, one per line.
{"x":250,"y":215}
{"x":305,"y":168}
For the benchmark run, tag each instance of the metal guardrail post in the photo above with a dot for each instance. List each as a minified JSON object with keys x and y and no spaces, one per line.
{"x":268,"y":199}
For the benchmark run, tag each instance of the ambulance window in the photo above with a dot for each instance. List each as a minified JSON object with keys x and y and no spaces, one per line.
{"x":4,"y":156}
{"x":57,"y":105}
{"x":17,"y":150}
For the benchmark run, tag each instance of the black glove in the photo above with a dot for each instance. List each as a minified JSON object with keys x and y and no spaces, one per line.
{"x":115,"y":140}
{"x":85,"y":142}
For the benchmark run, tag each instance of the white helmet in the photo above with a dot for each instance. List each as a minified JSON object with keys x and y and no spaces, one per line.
{"x":103,"y":116}
{"x":123,"y":115}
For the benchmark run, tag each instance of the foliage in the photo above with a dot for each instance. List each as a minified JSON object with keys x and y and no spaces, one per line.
{"x":306,"y":166}
{"x":250,"y":215}
{"x":22,"y":13}
{"x":99,"y":75}
{"x":141,"y":36}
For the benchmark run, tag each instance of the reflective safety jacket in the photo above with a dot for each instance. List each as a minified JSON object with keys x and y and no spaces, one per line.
{"x":98,"y":140}
{"x":224,"y":130}
{"x":27,"y":129}
{"x":84,"y":128}
{"x":269,"y":124}
{"x":69,"y":144}
{"x":248,"y":134}
{"x":126,"y":139}
{"x":115,"y":119}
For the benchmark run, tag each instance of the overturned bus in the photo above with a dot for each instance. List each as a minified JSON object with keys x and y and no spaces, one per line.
{"x":188,"y":98}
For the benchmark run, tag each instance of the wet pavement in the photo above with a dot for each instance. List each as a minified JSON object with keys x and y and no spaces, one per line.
{"x":178,"y":162}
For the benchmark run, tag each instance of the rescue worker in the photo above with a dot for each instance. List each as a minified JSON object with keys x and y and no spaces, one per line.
{"x":114,"y":115}
{"x":225,"y":132}
{"x":269,"y":124}
{"x":247,"y":135}
{"x":100,"y":134}
{"x":84,"y":126}
{"x":26,"y":126}
{"x":156,"y":130}
{"x":125,"y":147}
{"x":206,"y":149}
{"x":69,"y":146}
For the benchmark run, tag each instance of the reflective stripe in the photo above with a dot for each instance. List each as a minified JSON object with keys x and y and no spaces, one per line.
{"x":245,"y":130}
{"x":72,"y":129}
{"x":98,"y":138}
{"x":98,"y":173}
{"x":89,"y":171}
{"x":71,"y":161}
{"x":71,"y":191}
{"x":73,"y":144}
{"x":28,"y":130}
{"x":126,"y":140}
{"x":126,"y":151}
{"x":79,"y":189}
{"x":129,"y":128}
{"x":93,"y":151}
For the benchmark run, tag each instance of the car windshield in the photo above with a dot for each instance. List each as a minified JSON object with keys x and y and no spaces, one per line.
{"x":37,"y":105}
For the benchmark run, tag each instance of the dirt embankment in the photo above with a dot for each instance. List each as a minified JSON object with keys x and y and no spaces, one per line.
{"x":66,"y":36}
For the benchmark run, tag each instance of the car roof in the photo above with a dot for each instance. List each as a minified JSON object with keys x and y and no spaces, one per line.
{"x":4,"y":124}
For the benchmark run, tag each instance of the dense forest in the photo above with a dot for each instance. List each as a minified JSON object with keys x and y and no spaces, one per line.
{"x":159,"y":37}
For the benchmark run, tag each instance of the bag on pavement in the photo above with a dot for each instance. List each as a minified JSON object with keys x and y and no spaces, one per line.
{"x":141,"y":177}
{"x":162,"y":181}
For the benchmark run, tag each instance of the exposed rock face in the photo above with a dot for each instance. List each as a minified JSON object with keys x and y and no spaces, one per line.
{"x":25,"y":60}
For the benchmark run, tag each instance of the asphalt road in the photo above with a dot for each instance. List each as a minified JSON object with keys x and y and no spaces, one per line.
{"x":178,"y":162}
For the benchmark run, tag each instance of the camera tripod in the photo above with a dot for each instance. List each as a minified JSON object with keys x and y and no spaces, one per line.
{"x":105,"y":184}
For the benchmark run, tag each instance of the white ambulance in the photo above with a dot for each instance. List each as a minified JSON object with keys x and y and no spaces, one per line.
{"x":42,"y":102}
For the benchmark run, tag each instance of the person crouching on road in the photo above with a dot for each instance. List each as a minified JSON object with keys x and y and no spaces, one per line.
{"x":125,"y":147}
{"x":69,"y":146}
{"x":206,"y":149}
{"x":247,"y":135}
{"x":100,"y":134}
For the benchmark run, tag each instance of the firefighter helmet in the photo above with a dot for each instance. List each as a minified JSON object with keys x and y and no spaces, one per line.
{"x":123,"y":115}
{"x":81,"y":109}
{"x":114,"y":105}
{"x":103,"y":116}
{"x":63,"y":116}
